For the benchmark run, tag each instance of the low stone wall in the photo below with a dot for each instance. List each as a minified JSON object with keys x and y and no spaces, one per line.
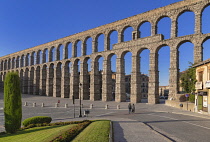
{"x":185,"y":106}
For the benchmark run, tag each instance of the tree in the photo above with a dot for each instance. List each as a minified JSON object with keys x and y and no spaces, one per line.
{"x":188,"y":79}
{"x":12,"y":102}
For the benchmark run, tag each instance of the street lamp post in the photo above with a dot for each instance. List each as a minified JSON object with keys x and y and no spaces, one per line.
{"x":80,"y":105}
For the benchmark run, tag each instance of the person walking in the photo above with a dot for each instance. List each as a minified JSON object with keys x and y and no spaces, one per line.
{"x":129,"y":108}
{"x":133,"y":108}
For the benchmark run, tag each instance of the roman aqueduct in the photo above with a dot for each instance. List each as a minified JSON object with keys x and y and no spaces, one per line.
{"x":41,"y":75}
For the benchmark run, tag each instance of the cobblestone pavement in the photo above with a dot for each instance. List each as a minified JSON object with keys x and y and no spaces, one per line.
{"x":125,"y":127}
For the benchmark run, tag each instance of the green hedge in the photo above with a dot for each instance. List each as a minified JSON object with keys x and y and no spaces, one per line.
{"x":37,"y":120}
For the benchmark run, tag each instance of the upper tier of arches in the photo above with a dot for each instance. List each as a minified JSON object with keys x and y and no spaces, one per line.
{"x":75,"y":46}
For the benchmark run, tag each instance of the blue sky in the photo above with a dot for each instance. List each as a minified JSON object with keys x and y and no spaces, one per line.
{"x":26,"y":23}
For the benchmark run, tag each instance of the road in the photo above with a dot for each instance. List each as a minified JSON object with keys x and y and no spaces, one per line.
{"x":172,"y":123}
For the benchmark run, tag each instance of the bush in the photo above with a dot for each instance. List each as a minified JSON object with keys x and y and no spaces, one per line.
{"x":37,"y":120}
{"x":192,"y":98}
{"x":12,"y":103}
{"x":72,"y":133}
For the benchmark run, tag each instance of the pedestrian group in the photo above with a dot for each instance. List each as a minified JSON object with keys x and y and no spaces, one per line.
{"x":131,"y":108}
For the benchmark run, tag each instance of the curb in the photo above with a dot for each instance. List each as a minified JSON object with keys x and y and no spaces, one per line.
{"x":111,"y":132}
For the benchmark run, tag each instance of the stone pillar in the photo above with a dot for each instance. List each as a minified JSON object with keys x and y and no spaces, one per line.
{"x":94,"y":82}
{"x":38,"y":57}
{"x":198,"y":23}
{"x":84,"y":48}
{"x":94,"y":45}
{"x":57,"y":54}
{"x":65,"y":82}
{"x":44,"y":57}
{"x":32,"y":59}
{"x":30,"y":81}
{"x":107,"y":81}
{"x":74,"y":82}
{"x":174,"y":73}
{"x":120,"y":81}
{"x":198,"y":53}
{"x":36,"y":81}
{"x":153,"y":29}
{"x":65,"y":52}
{"x":84,"y":80}
{"x":120,"y":37}
{"x":50,"y":55}
{"x":57,"y":82}
{"x":135,"y":80}
{"x":74,"y":49}
{"x":106,"y":42}
{"x":153,"y":92}
{"x":173,"y":28}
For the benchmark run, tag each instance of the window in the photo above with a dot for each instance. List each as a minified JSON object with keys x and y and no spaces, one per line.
{"x":200,"y":76}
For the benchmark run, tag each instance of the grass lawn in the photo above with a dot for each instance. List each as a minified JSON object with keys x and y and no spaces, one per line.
{"x":97,"y":131}
{"x":36,"y":134}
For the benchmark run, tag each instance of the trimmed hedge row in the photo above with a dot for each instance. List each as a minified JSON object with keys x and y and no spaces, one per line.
{"x":37,"y":120}
{"x":51,"y":124}
{"x":72,"y":133}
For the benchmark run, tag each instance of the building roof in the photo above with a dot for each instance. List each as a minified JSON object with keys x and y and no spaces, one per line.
{"x":201,"y":63}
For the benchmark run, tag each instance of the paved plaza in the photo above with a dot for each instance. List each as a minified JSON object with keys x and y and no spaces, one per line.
{"x":145,"y":125}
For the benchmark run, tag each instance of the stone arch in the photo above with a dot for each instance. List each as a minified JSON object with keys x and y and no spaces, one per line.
{"x":143,"y":23}
{"x":85,"y":78}
{"x":130,"y":30}
{"x":27,"y":60}
{"x":33,"y":58}
{"x":178,"y":26}
{"x":52,"y":54}
{"x":87,"y":49}
{"x":99,"y":42}
{"x":111,"y":41}
{"x":157,"y":28}
{"x":39,"y":57}
{"x":57,"y":79}
{"x":74,"y":82}
{"x":31,"y":80}
{"x":9,"y":63}
{"x":45,"y":55}
{"x":50,"y":78}
{"x":22,"y":60}
{"x":205,"y":48}
{"x":60,"y":52}
{"x":204,"y":19}
{"x":2,"y":65}
{"x":65,"y":88}
{"x":36,"y":84}
{"x":68,"y":52}
{"x":17,"y":61}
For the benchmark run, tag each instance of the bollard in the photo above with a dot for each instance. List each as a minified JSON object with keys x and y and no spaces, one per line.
{"x":91,"y":106}
{"x":34,"y":104}
{"x":66,"y":105}
{"x":42,"y":105}
{"x":106,"y":106}
{"x":118,"y":106}
{"x":56,"y":105}
{"x":26,"y":104}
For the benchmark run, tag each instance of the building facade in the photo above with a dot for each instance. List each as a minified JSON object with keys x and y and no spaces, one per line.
{"x":202,"y":86}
